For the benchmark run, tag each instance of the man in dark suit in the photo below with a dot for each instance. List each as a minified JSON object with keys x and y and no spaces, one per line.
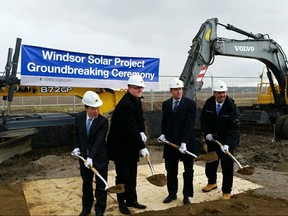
{"x":220,"y":120}
{"x":178,"y":118}
{"x":89,"y":135}
{"x":126,"y":140}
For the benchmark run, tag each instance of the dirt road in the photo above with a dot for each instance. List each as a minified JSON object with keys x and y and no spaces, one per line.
{"x":269,"y":158}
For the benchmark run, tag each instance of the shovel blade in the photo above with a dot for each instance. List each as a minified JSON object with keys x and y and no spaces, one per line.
{"x":209,"y":157}
{"x":247,"y":170}
{"x":119,"y":188}
{"x":159,"y":180}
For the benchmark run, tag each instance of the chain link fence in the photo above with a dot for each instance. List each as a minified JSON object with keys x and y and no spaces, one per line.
{"x":239,"y":88}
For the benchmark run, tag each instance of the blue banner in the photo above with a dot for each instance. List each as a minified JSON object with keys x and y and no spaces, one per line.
{"x":52,"y":67}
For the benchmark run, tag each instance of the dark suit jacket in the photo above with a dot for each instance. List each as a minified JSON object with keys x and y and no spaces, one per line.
{"x":178,"y":127}
{"x":225,"y":125}
{"x":95,"y":143}
{"x":124,"y":140}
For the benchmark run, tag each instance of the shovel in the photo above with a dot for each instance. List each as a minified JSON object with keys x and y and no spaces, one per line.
{"x":246,"y":170}
{"x":209,"y":157}
{"x":156,"y":179}
{"x":120,"y":188}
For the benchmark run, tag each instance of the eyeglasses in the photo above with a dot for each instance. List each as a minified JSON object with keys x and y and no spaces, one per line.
{"x":137,"y":87}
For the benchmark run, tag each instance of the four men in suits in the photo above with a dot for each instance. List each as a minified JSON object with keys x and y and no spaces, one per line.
{"x":126,"y":141}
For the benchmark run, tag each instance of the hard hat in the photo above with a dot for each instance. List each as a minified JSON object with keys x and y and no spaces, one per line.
{"x":91,"y":99}
{"x":176,"y":83}
{"x":219,"y":86}
{"x":136,"y":80}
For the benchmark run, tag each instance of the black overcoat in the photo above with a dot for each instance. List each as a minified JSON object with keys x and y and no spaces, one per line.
{"x":124,"y":140}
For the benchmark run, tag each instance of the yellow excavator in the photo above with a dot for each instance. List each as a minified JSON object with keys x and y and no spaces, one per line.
{"x":108,"y":96}
{"x":265,"y":92}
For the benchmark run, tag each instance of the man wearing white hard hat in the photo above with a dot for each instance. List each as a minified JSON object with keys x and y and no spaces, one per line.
{"x":220,"y":121}
{"x":177,"y":126}
{"x":89,"y":135}
{"x":126,"y":140}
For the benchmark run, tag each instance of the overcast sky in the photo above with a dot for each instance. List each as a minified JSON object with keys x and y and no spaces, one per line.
{"x":140,"y":28}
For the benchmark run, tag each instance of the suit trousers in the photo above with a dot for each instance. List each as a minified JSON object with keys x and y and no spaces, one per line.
{"x":227,"y":166}
{"x":171,"y":166}
{"x":127,"y":174}
{"x":87,"y":189}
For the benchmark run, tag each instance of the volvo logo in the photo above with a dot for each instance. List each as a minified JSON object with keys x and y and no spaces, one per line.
{"x":244,"y":48}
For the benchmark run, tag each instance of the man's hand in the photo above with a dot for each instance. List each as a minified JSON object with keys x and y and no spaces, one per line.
{"x":143,"y":136}
{"x":183,"y":148}
{"x":209,"y":137}
{"x":161,"y":138}
{"x":224,"y":148}
{"x":89,"y":162}
{"x":144,"y":152}
{"x":76,"y":152}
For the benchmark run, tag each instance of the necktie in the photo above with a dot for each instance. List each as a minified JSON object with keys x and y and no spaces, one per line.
{"x":218,"y":107}
{"x":175,"y":105}
{"x":88,"y":125}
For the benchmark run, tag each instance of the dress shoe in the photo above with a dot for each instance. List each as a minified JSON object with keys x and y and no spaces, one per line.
{"x":169,"y":199}
{"x":209,"y":187}
{"x":186,"y":200}
{"x":226,"y":196}
{"x":85,"y":212}
{"x":136,"y":205}
{"x":123,"y":209}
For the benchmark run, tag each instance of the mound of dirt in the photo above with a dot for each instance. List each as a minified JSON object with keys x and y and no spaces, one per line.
{"x":240,"y":204}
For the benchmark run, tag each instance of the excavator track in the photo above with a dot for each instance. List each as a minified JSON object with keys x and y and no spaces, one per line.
{"x":281,"y":127}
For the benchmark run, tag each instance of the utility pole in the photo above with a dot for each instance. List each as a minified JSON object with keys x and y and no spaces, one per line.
{"x":211,"y":81}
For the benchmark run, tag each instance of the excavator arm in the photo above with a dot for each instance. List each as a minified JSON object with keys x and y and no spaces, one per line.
{"x":206,"y":45}
{"x":200,"y":55}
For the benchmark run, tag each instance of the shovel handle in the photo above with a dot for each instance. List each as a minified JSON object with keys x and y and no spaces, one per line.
{"x":94,"y":170}
{"x":190,"y":153}
{"x":173,"y":145}
{"x":229,"y":154}
{"x":150,"y":164}
{"x":177,"y":147}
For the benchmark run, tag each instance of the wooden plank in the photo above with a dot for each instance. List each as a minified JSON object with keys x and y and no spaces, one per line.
{"x":12,"y":200}
{"x":14,"y":146}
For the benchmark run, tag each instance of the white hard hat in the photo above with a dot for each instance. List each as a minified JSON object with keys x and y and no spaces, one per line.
{"x":136,"y":80}
{"x":176,"y":83}
{"x":91,"y":99}
{"x":220,"y":86}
